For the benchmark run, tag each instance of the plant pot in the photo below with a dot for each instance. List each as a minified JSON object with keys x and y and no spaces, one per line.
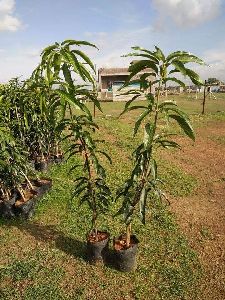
{"x":15,"y":206}
{"x":96,"y":250}
{"x":26,"y":209}
{"x":125,"y":258}
{"x":6,"y":210}
{"x":6,"y":206}
{"x":58,"y":158}
{"x":42,"y":185}
{"x":41,"y":165}
{"x":32,"y":163}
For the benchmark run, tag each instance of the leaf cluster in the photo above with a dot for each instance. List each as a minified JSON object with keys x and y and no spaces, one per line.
{"x":157,"y":119}
{"x":91,"y":187}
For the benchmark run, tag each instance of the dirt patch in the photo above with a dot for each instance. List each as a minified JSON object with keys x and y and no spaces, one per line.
{"x":202,"y":216}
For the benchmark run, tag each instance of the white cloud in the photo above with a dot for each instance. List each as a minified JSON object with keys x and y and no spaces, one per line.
{"x":187,"y":13}
{"x":8,"y":22}
{"x":6,"y":6}
{"x":215,"y":58}
{"x":18,"y":62}
{"x":33,"y":52}
{"x":114,"y":44}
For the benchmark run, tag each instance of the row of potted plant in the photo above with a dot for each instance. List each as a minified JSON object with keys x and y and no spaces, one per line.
{"x":62,"y":66}
{"x":144,"y":185}
{"x":29,"y":139}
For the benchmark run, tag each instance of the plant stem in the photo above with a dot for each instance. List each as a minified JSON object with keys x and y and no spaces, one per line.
{"x":7,"y":195}
{"x":22,"y":194}
{"x":91,"y":189}
{"x":157,"y":105}
{"x":128,"y":235}
{"x":28,"y":181}
{"x":203,"y":103}
{"x":57,"y":149}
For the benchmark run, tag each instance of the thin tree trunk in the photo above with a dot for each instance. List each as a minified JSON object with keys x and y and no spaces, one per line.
{"x":128,"y":235}
{"x":22,"y":194}
{"x":204,"y":99}
{"x":28,"y":181}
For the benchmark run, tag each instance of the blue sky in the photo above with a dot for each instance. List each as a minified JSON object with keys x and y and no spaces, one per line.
{"x":28,"y":26}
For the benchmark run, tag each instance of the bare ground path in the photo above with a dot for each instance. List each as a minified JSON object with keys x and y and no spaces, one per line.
{"x":202,"y":215}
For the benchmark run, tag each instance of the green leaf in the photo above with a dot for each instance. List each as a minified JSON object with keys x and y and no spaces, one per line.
{"x":140,"y":119}
{"x":69,"y":98}
{"x":78,"y":43}
{"x":184,"y":57}
{"x":177,"y":54}
{"x":185,"y":125}
{"x":148,"y":135}
{"x":167,"y":104}
{"x":154,"y":169}
{"x":195,"y":78}
{"x":130,"y":92}
{"x":146,"y":75}
{"x":146,"y":55}
{"x":47,"y":51}
{"x":143,"y":203}
{"x":168,"y":144}
{"x":128,"y":103}
{"x":67,"y":76}
{"x":178,"y":111}
{"x":151,"y":53}
{"x":85,"y":58}
{"x":141,"y":65}
{"x":74,"y":167}
{"x":174,"y":79}
{"x":191,"y":59}
{"x":93,"y":98}
{"x":106,"y":155}
{"x":57,"y":63}
{"x":136,"y":107}
{"x":159,"y":54}
{"x":179,"y":66}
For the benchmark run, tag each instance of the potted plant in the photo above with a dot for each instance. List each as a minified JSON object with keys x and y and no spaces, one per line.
{"x":18,"y":193}
{"x":90,"y":188}
{"x":13,"y":171}
{"x":61,"y":65}
{"x":143,"y":184}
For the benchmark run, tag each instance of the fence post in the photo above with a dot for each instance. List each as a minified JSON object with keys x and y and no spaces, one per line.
{"x":203,"y":103}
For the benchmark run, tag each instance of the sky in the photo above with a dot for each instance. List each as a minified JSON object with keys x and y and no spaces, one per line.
{"x":28,"y":26}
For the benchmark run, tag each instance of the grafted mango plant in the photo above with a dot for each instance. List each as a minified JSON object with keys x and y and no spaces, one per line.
{"x":71,"y":73}
{"x":157,"y":121}
{"x":91,"y":188}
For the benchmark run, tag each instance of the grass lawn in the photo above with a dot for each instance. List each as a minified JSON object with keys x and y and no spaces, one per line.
{"x":44,"y":258}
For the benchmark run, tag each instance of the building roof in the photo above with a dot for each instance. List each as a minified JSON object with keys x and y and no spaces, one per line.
{"x":118,"y":71}
{"x":113,"y":71}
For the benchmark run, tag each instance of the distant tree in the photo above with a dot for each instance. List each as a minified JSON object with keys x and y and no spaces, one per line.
{"x":213,"y":81}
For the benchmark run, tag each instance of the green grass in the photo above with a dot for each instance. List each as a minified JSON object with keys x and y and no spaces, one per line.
{"x":45,"y":258}
{"x":186,"y":101}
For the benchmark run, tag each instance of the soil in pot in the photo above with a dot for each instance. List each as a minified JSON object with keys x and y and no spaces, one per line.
{"x":97,"y":246}
{"x":125,"y":258}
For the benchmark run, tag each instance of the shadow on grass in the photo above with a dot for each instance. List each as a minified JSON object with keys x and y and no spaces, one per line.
{"x":49,"y":234}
